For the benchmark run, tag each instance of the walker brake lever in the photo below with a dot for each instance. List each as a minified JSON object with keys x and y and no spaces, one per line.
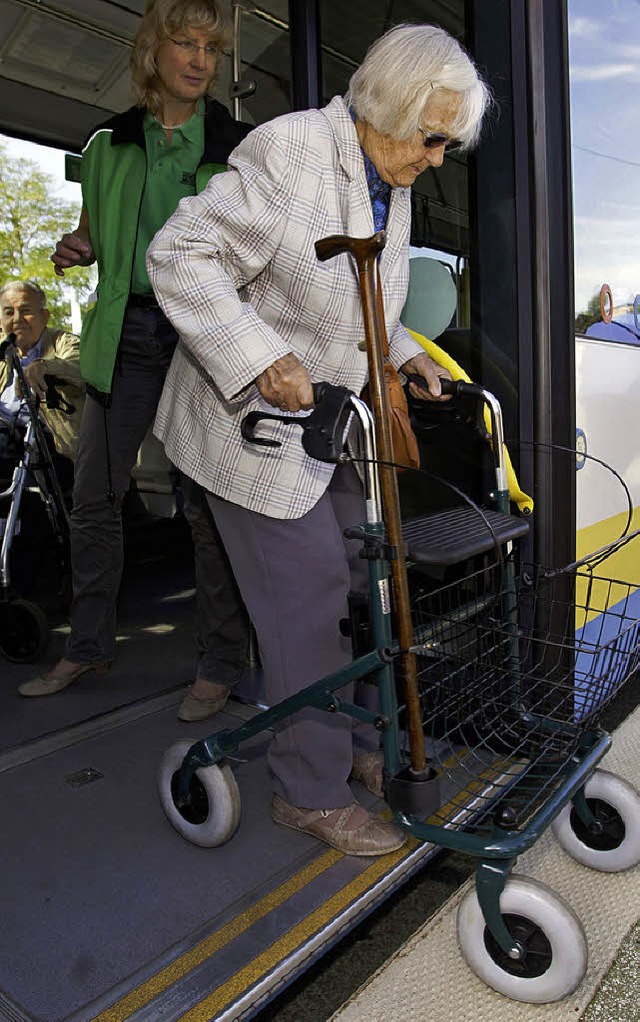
{"x":322,"y":430}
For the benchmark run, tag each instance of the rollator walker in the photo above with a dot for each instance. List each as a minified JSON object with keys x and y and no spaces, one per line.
{"x":24,"y":628}
{"x":490,"y":676}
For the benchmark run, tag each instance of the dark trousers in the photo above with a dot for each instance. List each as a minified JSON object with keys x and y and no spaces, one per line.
{"x":294,"y":576}
{"x":221,"y":622}
{"x":108,"y":446}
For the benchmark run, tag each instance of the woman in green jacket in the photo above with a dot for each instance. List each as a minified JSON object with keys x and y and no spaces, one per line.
{"x":135,"y":169}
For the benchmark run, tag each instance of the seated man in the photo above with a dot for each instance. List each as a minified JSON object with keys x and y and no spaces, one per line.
{"x":43,"y":352}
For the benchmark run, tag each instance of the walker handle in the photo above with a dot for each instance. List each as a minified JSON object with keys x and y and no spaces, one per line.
{"x":322,"y":430}
{"x":455,"y":387}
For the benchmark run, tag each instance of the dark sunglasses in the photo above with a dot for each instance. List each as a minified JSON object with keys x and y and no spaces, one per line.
{"x":433,"y":139}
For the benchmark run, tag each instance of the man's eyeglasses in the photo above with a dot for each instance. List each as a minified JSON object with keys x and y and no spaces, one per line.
{"x":192,"y":48}
{"x":433,"y":139}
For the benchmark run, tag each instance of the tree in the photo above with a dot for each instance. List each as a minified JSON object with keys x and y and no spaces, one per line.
{"x":591,"y":315}
{"x":32,"y":219}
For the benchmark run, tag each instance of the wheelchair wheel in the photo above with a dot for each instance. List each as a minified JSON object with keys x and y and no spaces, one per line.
{"x":212,"y":814}
{"x":551,"y":937}
{"x":613,"y":843}
{"x":24,"y":631}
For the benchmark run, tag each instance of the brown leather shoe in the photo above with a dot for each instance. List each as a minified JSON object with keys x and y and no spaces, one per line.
{"x":350,"y":829}
{"x":367,"y":768}
{"x":63,"y":674}
{"x":195,"y":708}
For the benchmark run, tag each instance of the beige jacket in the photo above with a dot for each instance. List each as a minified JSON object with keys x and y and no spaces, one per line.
{"x":235,"y":270}
{"x":61,"y":352}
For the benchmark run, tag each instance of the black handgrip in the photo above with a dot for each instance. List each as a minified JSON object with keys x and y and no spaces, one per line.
{"x":9,"y":342}
{"x":54,"y":398}
{"x":455,"y":387}
{"x":319,"y":392}
{"x":322,"y":431}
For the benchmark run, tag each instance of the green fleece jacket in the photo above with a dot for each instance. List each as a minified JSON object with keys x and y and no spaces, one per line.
{"x":114,"y":168}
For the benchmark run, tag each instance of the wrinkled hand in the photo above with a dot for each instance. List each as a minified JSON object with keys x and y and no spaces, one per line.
{"x":286,"y":384}
{"x":72,"y":250}
{"x":34,"y":376}
{"x":422,"y":365}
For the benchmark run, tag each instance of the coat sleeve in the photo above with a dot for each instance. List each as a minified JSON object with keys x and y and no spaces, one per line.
{"x":63,"y":360}
{"x":402,"y":346}
{"x":214,"y":244}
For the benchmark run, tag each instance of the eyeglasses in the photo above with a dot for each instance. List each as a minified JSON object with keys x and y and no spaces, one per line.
{"x":193,"y":49}
{"x":433,"y":139}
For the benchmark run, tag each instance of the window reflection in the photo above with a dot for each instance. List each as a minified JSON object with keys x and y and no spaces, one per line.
{"x":605,"y":119}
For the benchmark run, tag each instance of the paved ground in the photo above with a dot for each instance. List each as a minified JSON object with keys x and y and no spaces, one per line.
{"x":327,"y":985}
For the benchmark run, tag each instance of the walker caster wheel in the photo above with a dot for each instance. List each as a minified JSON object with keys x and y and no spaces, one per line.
{"x":613,"y":843}
{"x":24,"y":631}
{"x":212,"y":814}
{"x":553,"y":958}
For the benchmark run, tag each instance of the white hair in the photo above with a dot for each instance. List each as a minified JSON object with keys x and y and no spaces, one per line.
{"x":29,"y":286}
{"x":400,"y":72}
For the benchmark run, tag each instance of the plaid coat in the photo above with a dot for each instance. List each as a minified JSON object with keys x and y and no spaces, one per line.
{"x":236,"y":272}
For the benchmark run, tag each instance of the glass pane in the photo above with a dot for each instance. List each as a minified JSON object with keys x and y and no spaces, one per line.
{"x":446,"y":233}
{"x":440,"y":196}
{"x":604,"y":44}
{"x":265,"y":60}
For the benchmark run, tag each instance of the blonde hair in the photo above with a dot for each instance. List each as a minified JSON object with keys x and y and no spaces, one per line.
{"x":163,"y":18}
{"x":403,"y":68}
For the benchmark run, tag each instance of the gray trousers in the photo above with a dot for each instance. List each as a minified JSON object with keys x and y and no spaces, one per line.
{"x":108,"y":446}
{"x":294,"y":576}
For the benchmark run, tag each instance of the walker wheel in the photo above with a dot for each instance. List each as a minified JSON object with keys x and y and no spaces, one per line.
{"x":212,"y":813}
{"x":553,"y":959}
{"x":613,"y":843}
{"x":24,"y":631}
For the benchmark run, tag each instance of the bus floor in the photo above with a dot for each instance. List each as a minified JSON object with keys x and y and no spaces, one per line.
{"x":107,"y":914}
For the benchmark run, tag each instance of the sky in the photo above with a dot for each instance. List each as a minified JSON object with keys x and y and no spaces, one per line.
{"x":51,"y":161}
{"x":605,"y":124}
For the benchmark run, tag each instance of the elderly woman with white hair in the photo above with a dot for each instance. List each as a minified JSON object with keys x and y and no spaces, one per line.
{"x":259,"y":319}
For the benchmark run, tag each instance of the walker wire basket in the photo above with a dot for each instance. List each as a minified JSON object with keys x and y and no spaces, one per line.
{"x":513,"y":674}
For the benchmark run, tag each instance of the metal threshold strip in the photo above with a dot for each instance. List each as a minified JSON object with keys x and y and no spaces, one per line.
{"x":270,"y":970}
{"x":36,"y":748}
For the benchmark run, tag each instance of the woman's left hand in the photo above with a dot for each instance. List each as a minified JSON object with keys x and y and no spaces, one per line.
{"x":422,"y":365}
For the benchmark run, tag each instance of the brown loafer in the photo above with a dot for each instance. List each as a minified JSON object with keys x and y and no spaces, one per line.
{"x":367,"y":768}
{"x":193,"y":708}
{"x":52,"y":682}
{"x":350,"y":829}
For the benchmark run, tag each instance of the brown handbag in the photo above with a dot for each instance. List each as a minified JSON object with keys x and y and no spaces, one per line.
{"x":405,"y":446}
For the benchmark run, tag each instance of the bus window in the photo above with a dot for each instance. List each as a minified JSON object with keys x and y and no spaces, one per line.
{"x":604,"y":78}
{"x":262,"y":52}
{"x":440,"y":217}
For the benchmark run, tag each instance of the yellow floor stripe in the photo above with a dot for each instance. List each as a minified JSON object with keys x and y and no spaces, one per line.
{"x":242,"y":980}
{"x":142,"y":995}
{"x":263,"y":963}
{"x":252,"y":973}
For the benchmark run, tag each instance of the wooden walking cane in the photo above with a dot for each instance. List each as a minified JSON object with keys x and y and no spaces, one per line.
{"x":365,"y":252}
